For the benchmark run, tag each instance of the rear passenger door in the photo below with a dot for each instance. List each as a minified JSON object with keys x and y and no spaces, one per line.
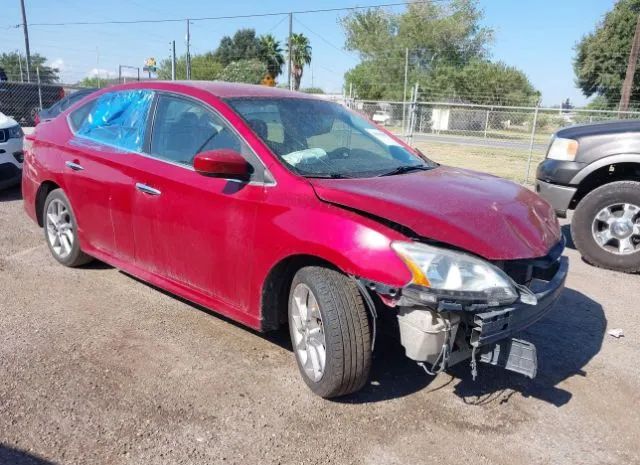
{"x":195,"y":230}
{"x":107,"y":133}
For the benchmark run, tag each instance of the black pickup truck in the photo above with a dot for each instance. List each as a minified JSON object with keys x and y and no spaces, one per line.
{"x":21,"y":100}
{"x":594,"y":169}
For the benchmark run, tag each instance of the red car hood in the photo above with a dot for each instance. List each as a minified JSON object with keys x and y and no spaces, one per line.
{"x":483,"y":214}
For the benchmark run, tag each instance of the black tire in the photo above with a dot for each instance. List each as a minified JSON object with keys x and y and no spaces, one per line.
{"x":346,"y":330}
{"x":585,"y":213}
{"x":76,"y":257}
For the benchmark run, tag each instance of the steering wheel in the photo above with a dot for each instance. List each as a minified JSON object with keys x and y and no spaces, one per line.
{"x":339,"y":153}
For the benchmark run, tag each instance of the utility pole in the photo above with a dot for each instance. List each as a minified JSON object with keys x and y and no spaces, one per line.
{"x":173,"y":60}
{"x":289,"y":48}
{"x":25,"y":28}
{"x":188,"y":52}
{"x":404,"y":94}
{"x":631,"y":70}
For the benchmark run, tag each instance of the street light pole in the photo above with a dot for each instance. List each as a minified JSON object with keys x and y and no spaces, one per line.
{"x":188,"y":52}
{"x":25,"y":29}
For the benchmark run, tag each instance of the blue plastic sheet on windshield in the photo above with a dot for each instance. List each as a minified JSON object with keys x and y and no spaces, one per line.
{"x":119,"y":119}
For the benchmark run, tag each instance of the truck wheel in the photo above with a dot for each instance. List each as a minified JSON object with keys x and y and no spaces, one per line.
{"x":61,"y":231}
{"x":329,"y":331}
{"x":606,"y":226}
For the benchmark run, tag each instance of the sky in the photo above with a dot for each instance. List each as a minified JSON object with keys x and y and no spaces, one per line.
{"x":536,"y":36}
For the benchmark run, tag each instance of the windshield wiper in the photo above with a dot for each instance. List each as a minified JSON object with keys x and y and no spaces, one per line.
{"x":327,"y":176}
{"x":406,"y":169}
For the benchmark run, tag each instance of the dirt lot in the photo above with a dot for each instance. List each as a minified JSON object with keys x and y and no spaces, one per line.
{"x":98,"y":368}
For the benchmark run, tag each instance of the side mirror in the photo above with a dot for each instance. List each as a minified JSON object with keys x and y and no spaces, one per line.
{"x":223,"y":163}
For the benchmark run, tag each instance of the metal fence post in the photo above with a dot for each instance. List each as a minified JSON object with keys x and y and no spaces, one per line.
{"x":531,"y":142}
{"x":39,"y":87}
{"x":486,"y":124}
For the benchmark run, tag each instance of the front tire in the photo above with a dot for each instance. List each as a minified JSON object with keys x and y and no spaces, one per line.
{"x":61,"y":230}
{"x":330,"y":331}
{"x":606,"y":226}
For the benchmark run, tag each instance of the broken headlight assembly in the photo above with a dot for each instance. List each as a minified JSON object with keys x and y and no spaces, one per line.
{"x":440,"y":274}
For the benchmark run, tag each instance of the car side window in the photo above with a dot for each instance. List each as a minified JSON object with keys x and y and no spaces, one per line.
{"x":77,"y":117}
{"x":118,"y":119}
{"x":183,"y":128}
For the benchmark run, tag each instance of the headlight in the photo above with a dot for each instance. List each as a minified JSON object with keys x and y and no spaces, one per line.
{"x":15,"y":132}
{"x":563,"y":149}
{"x":455,"y":275}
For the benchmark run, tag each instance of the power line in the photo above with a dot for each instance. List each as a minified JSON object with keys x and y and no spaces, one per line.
{"x":213,"y":18}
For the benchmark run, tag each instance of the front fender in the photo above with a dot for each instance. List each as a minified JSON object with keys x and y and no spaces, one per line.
{"x":355,"y":244}
{"x":606,"y":161}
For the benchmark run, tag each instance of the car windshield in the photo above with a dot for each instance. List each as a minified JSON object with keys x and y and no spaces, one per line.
{"x":316,"y":138}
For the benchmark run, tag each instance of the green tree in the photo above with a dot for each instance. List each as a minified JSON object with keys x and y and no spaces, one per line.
{"x":244,"y":45}
{"x":11,"y":61}
{"x":600,"y":62}
{"x":271,"y":55}
{"x":203,"y":68}
{"x":312,"y":90}
{"x":248,"y":71}
{"x":300,"y":53}
{"x":448,"y":55}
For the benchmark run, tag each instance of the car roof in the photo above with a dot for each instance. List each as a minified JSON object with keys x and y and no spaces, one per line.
{"x":219,"y":89}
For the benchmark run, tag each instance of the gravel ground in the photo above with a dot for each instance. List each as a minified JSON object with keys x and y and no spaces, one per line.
{"x":99,"y":368}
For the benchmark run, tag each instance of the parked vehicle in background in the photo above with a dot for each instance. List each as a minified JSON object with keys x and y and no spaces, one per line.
{"x":594,"y":169}
{"x":21,"y":100}
{"x":381,"y":117}
{"x":11,"y":155}
{"x":61,"y":105}
{"x":275,"y":207}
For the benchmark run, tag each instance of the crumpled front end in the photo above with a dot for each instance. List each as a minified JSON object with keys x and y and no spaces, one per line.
{"x":439,"y":331}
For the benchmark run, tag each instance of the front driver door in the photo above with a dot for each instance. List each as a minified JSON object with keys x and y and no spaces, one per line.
{"x":191,"y":229}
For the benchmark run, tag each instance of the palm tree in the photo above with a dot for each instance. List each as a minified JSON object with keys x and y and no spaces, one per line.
{"x":271,"y":55}
{"x":300,"y":55}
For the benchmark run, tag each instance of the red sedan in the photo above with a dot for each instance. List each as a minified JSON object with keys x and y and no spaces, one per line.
{"x":274,"y":207}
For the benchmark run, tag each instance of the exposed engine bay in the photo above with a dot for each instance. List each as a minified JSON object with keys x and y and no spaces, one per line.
{"x":439,"y":333}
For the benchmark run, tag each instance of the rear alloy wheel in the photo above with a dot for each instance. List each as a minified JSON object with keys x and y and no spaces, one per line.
{"x":606,"y":226}
{"x":329,"y":331}
{"x":60,"y":230}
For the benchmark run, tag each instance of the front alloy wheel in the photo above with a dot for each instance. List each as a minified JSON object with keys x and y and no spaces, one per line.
{"x":330,"y":331}
{"x":308,"y":333}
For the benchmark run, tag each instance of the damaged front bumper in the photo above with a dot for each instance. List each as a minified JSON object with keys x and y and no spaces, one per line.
{"x":447,"y":333}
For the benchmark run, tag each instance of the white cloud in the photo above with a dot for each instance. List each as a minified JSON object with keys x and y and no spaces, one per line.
{"x":60,"y":65}
{"x":101,"y":73}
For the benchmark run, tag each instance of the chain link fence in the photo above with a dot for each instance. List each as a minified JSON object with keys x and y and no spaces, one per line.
{"x":23,"y":100}
{"x":507,"y":141}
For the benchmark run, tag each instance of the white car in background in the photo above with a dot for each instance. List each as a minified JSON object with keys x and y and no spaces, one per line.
{"x":381,"y":117}
{"x":11,"y":155}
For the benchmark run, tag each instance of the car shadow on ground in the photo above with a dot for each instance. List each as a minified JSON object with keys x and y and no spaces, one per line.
{"x":11,"y":194}
{"x":567,"y":338}
{"x":9,"y":455}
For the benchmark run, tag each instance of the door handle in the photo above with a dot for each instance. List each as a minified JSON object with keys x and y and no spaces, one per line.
{"x":73,"y":166}
{"x":147,"y":189}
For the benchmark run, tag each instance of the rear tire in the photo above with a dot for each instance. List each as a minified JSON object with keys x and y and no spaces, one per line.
{"x":344,"y":331}
{"x":586,"y":216}
{"x":61,"y":230}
